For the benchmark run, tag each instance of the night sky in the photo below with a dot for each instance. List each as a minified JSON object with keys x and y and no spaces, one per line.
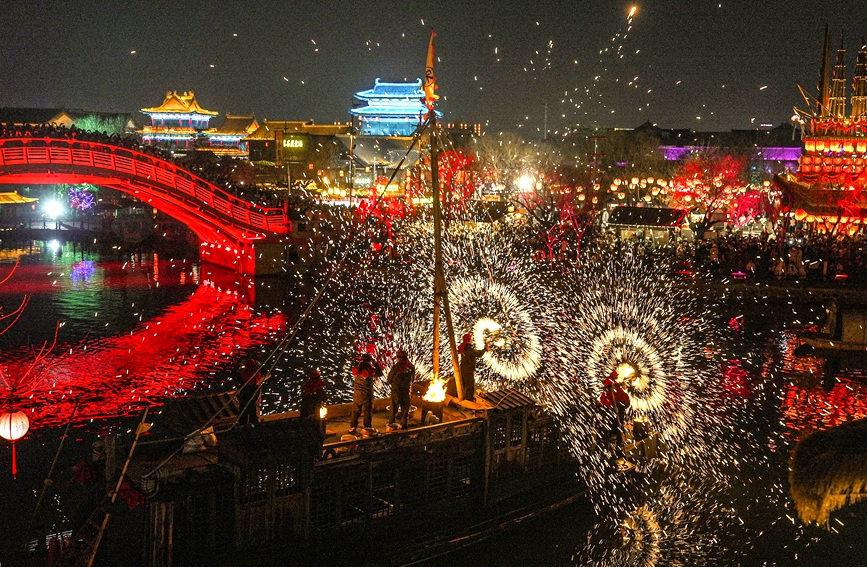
{"x":683,"y":64}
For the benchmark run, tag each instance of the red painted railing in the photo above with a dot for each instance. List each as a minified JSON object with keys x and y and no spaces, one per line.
{"x":200,"y":196}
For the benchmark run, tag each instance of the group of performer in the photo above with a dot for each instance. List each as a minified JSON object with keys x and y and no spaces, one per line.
{"x":400,"y":378}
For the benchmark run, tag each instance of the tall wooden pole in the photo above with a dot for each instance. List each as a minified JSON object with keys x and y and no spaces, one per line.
{"x":441,"y":296}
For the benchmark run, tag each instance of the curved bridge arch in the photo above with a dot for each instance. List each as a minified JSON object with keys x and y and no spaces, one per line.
{"x":228,"y":227}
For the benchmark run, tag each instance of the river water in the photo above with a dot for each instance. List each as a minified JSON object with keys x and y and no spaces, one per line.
{"x":104,"y":334}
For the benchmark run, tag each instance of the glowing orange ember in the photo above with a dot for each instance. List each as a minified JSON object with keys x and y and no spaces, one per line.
{"x":436,"y":392}
{"x":323,"y":411}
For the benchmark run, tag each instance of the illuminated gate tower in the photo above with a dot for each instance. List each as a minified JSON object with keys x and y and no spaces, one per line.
{"x":177,"y":121}
{"x":835,"y":143}
{"x":391,"y":109}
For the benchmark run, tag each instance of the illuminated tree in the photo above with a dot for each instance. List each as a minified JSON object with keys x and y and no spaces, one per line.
{"x":750,"y":205}
{"x":110,"y":125}
{"x":559,"y":210}
{"x":503,"y":160}
{"x":707,"y":183}
{"x":82,"y":197}
{"x":458,"y":176}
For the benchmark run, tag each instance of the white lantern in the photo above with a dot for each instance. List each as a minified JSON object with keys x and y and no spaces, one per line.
{"x":14,"y":426}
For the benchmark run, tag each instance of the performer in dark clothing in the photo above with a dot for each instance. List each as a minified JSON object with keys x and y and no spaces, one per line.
{"x":313,"y":396}
{"x":400,"y":378}
{"x":469,"y":356}
{"x":363,"y":375}
{"x":250,"y":392}
{"x":616,"y":398}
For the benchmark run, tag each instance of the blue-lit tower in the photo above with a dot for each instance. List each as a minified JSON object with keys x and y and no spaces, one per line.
{"x":390,"y":109}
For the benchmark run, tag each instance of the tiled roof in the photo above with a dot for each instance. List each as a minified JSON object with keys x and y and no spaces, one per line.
{"x":234,"y":124}
{"x":181,"y":103}
{"x":507,"y":399}
{"x":266,"y":129}
{"x":392,"y":90}
{"x":14,"y":198}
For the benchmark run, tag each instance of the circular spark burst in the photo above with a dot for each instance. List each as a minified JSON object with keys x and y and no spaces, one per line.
{"x":646,"y":384}
{"x":497,"y":316}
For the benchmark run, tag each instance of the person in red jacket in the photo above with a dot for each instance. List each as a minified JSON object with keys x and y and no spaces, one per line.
{"x":615,"y":397}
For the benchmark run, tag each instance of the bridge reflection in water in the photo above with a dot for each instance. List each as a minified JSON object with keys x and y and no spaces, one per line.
{"x":233,"y":233}
{"x":119,"y":374}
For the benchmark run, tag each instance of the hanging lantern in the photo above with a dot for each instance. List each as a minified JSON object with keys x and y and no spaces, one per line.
{"x":800,"y":215}
{"x":621,"y":195}
{"x":647,"y":198}
{"x":581,"y":196}
{"x":14,"y":426}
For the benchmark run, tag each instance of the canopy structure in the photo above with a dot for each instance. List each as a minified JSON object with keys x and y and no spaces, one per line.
{"x":824,"y":200}
{"x":828,"y":471}
{"x":647,"y":217}
{"x":13,"y":198}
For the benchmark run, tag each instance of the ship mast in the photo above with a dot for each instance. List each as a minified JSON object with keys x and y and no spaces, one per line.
{"x":859,"y":85}
{"x":837,"y":99}
{"x":441,"y":295}
{"x":825,"y":76}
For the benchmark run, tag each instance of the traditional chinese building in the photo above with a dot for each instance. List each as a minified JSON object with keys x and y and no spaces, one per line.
{"x":390,"y":109}
{"x":829,"y":186}
{"x":835,"y":127}
{"x":299,"y":151}
{"x":229,"y":138}
{"x":177,"y":122}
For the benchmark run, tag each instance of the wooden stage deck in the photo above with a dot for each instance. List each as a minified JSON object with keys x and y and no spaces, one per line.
{"x":337,"y":420}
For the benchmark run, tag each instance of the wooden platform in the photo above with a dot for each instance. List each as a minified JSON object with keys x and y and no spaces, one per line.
{"x":337,"y":420}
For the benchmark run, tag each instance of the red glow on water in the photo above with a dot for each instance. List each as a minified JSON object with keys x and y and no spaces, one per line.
{"x":812,"y":409}
{"x":736,"y":380}
{"x":160,"y":358}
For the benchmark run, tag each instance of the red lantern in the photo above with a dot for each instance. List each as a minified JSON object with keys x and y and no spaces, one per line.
{"x":14,"y":426}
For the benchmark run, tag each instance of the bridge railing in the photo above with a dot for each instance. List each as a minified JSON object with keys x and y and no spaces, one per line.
{"x":55,"y":151}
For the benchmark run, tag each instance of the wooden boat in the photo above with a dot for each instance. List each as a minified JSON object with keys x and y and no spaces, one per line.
{"x":849,"y":335}
{"x":279,"y":491}
{"x":289,"y":490}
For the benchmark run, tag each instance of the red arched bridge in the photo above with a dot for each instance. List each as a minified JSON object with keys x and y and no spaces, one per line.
{"x":232,"y":232}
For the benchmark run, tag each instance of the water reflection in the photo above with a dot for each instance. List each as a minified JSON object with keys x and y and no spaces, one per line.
{"x":120,"y":335}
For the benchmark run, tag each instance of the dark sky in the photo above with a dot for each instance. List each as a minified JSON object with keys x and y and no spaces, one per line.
{"x":733,"y":63}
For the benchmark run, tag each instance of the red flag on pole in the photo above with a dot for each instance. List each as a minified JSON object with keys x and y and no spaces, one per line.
{"x":430,"y":81}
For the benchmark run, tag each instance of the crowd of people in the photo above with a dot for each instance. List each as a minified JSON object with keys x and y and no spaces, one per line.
{"x":52,"y":130}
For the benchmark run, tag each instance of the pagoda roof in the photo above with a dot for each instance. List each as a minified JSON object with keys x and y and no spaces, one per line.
{"x":392,"y":90}
{"x":185,"y":103}
{"x":266,"y":129}
{"x":237,"y":124}
{"x":414,"y":111}
{"x":14,"y":198}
